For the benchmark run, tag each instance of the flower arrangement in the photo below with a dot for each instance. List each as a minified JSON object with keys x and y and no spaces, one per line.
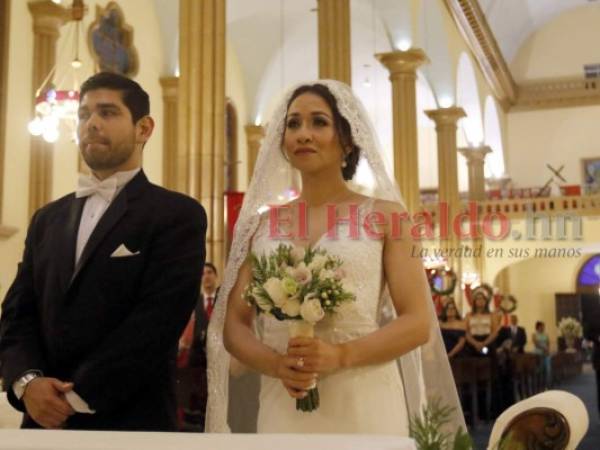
{"x":300,"y":286}
{"x":570,"y":328}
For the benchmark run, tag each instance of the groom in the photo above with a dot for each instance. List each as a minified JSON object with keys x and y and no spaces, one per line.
{"x":109,"y":277}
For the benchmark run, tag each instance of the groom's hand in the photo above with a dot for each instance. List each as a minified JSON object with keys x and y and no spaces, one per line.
{"x":45,"y":402}
{"x":317,"y":355}
{"x":296,"y":382}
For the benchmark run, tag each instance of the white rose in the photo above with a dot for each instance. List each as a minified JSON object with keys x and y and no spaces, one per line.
{"x":297,"y":254}
{"x":311,"y":309}
{"x":275,"y":290}
{"x":301,"y":274}
{"x":318,"y":262}
{"x":291,"y":307}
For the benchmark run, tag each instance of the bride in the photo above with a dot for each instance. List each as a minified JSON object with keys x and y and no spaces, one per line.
{"x":373,"y":374}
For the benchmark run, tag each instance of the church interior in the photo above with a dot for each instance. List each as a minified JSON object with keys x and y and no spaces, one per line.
{"x":489,"y":107}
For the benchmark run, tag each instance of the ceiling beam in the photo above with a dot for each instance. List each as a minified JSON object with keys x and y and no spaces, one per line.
{"x":471,"y":22}
{"x":557,"y":93}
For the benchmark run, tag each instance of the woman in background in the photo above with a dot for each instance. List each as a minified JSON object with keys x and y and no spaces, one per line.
{"x":541,"y":344}
{"x":453,"y":329}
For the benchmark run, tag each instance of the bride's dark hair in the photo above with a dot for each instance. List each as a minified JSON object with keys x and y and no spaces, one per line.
{"x":341,"y":125}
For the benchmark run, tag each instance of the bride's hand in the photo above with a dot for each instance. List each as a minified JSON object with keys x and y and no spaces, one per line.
{"x":317,"y":355}
{"x":296,"y":382}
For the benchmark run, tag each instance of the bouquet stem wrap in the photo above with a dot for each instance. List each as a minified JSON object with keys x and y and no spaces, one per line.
{"x":302,"y":328}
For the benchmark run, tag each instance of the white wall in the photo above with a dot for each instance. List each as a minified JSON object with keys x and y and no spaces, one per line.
{"x":557,"y":137}
{"x":561,"y":47}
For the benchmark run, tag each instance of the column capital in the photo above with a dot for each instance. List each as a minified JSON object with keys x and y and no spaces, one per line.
{"x":169,"y":86}
{"x":446,"y":116}
{"x":475,"y":154}
{"x":254,"y":132}
{"x":398,"y":61}
{"x":48,"y":16}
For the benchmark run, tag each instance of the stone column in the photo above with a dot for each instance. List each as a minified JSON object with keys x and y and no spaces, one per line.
{"x":445,"y":125}
{"x":475,"y":162}
{"x":254,"y":136}
{"x":48,"y":17}
{"x":402,"y":67}
{"x":5,"y":230}
{"x":201,"y":114}
{"x":170,"y":87}
{"x":334,"y":40}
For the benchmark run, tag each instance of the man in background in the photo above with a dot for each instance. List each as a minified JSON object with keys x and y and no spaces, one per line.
{"x":192,"y":381}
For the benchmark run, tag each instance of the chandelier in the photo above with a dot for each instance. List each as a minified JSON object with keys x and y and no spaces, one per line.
{"x":57,"y":102}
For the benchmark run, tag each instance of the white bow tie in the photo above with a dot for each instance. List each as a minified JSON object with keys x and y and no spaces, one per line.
{"x":87,"y":186}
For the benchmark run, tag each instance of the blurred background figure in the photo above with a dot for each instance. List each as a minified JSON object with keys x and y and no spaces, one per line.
{"x":453,"y":329}
{"x":191,"y":362}
{"x":541,"y":346}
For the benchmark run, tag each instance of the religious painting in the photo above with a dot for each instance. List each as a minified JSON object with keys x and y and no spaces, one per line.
{"x":110,"y":41}
{"x":591,"y":175}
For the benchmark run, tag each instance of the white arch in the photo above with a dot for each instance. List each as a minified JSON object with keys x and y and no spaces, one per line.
{"x":494,"y":163}
{"x":427,"y":137}
{"x":432,"y":36}
{"x":467,"y":96}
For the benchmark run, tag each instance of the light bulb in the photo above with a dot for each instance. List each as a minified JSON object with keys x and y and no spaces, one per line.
{"x":445,"y":102}
{"x":404,"y":45}
{"x":76,"y":64}
{"x":50,"y":121}
{"x":50,"y":134}
{"x":35,"y":127}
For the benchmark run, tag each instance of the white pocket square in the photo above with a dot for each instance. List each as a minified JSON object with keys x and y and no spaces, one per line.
{"x":122,"y":251}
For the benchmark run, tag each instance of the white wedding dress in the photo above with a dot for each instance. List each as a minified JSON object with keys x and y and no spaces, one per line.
{"x":360,"y":400}
{"x":374,"y":399}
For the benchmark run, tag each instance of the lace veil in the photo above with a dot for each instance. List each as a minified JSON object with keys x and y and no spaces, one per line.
{"x":425,"y":371}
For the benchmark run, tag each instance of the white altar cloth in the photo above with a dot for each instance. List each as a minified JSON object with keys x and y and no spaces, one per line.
{"x":102,"y":440}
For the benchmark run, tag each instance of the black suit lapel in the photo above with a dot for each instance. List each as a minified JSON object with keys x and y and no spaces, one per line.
{"x":115,"y":211}
{"x":67,"y":240}
{"x":111,"y":217}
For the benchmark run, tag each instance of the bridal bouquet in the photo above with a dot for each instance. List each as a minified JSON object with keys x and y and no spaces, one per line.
{"x":299,"y":286}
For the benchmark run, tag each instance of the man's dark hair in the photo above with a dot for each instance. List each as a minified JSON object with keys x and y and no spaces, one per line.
{"x":132,"y":94}
{"x":211,"y":266}
{"x":342,"y":126}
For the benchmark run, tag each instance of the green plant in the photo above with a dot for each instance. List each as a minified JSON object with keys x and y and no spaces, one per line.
{"x":427,"y":429}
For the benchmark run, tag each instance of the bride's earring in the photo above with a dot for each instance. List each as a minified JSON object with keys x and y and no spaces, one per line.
{"x":344,"y":163}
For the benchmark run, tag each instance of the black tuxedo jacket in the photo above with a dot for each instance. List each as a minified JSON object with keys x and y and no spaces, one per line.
{"x":111,"y":324}
{"x":518,"y":341}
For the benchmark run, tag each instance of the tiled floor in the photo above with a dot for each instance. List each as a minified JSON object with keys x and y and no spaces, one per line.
{"x":583,"y":386}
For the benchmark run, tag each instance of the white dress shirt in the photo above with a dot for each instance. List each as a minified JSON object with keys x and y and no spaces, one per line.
{"x":95,"y":207}
{"x":93,"y":210}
